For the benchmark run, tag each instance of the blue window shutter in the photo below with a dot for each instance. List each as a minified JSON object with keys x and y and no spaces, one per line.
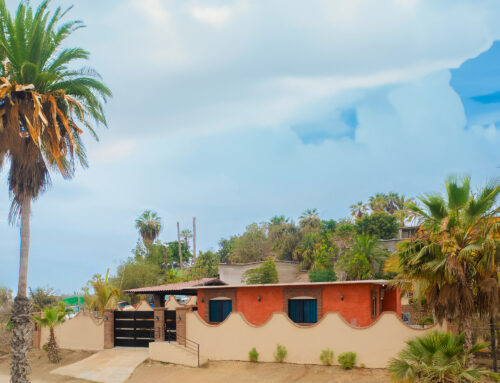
{"x":310,"y":311}
{"x":227,"y":308}
{"x":213,"y":311}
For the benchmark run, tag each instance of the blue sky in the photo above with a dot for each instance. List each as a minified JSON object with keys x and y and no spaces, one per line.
{"x":234,"y":111}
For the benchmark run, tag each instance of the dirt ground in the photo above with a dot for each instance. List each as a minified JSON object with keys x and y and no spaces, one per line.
{"x":41,"y":366}
{"x":215,"y":372}
{"x":241,"y":372}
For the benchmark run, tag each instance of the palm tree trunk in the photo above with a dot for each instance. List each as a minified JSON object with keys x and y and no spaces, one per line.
{"x":467,"y":326}
{"x":52,"y":348}
{"x":194,"y":239}
{"x":23,"y":328}
{"x":493,"y":343}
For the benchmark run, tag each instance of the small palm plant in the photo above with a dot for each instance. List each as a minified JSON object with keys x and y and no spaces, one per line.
{"x":438,"y":357}
{"x":51,"y":318}
{"x":105,"y":296}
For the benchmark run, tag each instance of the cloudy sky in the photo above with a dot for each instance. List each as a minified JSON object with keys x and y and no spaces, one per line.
{"x":234,"y":111}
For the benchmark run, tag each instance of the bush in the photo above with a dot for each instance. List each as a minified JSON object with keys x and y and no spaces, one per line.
{"x":322,"y":275}
{"x":379,"y":224}
{"x":438,"y":357}
{"x":265,"y":273}
{"x":326,"y":357}
{"x":253,"y":355}
{"x":347,"y":360}
{"x":280,"y":353}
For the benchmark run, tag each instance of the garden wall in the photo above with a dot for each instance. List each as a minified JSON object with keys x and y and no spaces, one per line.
{"x":375,"y":345}
{"x":82,"y":332}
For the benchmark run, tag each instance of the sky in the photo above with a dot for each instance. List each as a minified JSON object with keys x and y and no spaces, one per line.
{"x":235,"y":111}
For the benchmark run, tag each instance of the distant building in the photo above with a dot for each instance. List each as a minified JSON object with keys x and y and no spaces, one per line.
{"x":288,"y":272}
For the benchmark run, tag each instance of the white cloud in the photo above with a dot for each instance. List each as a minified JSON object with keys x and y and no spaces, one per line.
{"x":154,"y":9}
{"x":212,"y":15}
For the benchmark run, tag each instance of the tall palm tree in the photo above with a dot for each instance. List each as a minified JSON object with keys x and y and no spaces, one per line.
{"x":44,"y":103}
{"x":358,"y":210}
{"x":186,"y":235}
{"x":379,"y":202}
{"x":452,"y":259}
{"x":149,"y":226}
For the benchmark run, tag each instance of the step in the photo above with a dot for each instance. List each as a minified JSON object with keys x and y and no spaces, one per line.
{"x":172,"y":352}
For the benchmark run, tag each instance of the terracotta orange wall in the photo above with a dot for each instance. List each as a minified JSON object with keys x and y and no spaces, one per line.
{"x":259,"y":312}
{"x":392,"y":300}
{"x":355,"y":308}
{"x":201,"y":305}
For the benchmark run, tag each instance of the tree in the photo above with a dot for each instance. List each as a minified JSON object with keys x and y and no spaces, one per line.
{"x":207,"y":265}
{"x":51,"y":318}
{"x":451,"y":261}
{"x":379,"y":224}
{"x":186,"y":235}
{"x":105,"y":296}
{"x":278,"y":220}
{"x":265,"y":273}
{"x":42,"y":297}
{"x":284,"y":239}
{"x":149,"y":226}
{"x":309,"y":218}
{"x":5,"y":296}
{"x":226,"y":247}
{"x":438,"y":357}
{"x":251,"y":246}
{"x":358,"y":210}
{"x":363,"y":260}
{"x":45,"y":102}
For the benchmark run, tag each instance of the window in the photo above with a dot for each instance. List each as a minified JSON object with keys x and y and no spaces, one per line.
{"x":219,"y":309}
{"x":303,"y":310}
{"x":406,"y":318}
{"x":374,"y":304}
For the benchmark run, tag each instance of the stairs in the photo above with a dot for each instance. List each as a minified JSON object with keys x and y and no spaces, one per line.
{"x":172,"y":352}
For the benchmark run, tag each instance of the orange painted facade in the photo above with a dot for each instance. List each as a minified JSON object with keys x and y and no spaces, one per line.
{"x":352,"y":301}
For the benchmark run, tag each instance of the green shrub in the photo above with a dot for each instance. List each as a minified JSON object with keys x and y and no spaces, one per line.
{"x":322,"y":275}
{"x":326,"y":357}
{"x":362,"y":365}
{"x":438,"y":357}
{"x":253,"y":355}
{"x":265,"y":273}
{"x":347,"y":360}
{"x":280,"y":353}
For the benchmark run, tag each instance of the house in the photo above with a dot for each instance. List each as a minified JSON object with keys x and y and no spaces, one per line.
{"x":360,"y":303}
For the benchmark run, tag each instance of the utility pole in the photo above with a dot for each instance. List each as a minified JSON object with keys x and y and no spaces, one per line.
{"x":180,"y":248}
{"x":194,"y":239}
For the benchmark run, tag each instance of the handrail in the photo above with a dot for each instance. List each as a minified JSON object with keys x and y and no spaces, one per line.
{"x":188,"y":343}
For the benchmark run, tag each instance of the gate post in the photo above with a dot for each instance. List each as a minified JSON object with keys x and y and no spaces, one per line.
{"x":159,"y":313}
{"x":109,"y":328}
{"x":180,"y":324}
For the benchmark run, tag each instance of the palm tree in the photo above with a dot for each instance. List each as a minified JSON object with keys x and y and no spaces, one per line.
{"x":44,"y":103}
{"x":309,"y":218}
{"x":364,"y":258}
{"x":105,"y":296}
{"x":437,"y":357}
{"x":278,"y":220}
{"x":358,"y":210}
{"x":51,"y":318}
{"x":149,"y":226}
{"x":186,"y":235}
{"x":451,"y":261}
{"x":379,"y":202}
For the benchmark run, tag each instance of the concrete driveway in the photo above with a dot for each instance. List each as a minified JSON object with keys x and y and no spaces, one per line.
{"x":107,"y":366}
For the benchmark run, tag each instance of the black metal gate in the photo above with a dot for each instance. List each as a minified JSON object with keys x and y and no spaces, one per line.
{"x":170,"y":326}
{"x":134,"y":328}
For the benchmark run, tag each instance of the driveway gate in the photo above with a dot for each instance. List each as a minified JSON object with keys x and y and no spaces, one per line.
{"x":134,"y":328}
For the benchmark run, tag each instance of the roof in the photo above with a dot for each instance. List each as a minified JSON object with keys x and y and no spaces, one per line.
{"x":381,"y":282}
{"x":176,"y":287}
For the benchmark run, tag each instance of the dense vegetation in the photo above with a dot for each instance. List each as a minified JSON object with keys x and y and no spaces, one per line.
{"x":328,"y":249}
